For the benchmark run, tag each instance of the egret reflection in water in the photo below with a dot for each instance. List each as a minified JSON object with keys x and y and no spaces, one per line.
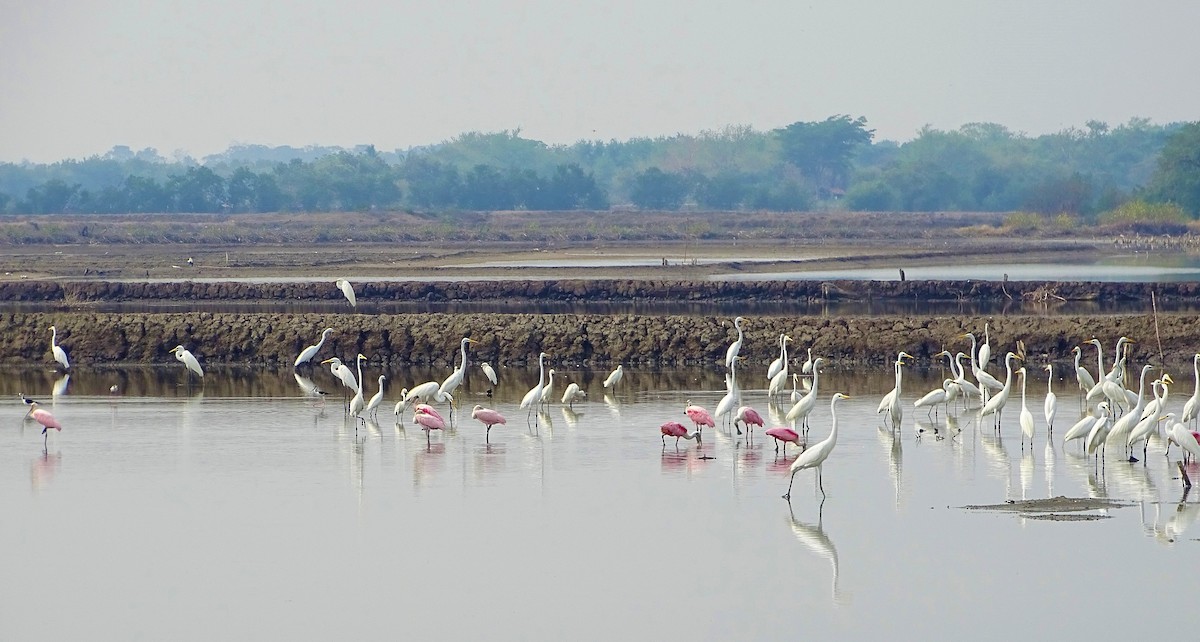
{"x":814,"y":538}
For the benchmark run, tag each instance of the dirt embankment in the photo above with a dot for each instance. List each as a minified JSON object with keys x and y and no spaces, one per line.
{"x":73,"y":292}
{"x":432,"y":339}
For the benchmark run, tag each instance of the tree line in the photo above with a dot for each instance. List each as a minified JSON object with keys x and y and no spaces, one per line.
{"x":834,"y":163}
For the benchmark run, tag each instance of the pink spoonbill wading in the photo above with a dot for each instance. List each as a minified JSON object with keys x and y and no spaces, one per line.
{"x":750,"y":417}
{"x":428,"y":419}
{"x":488,"y":418}
{"x":43,"y":417}
{"x":677,"y":430}
{"x":699,"y":416}
{"x":785,"y":435}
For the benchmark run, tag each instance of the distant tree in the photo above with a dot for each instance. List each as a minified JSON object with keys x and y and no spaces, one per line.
{"x":655,"y":189}
{"x":1177,"y":179}
{"x":240,"y":187}
{"x":431,"y":183}
{"x":487,"y":188}
{"x":824,"y":150}
{"x":570,"y":188}
{"x":787,"y":194}
{"x":724,"y":191}
{"x":145,"y":195}
{"x":52,"y":197}
{"x":1055,"y":194}
{"x":197,"y":190}
{"x":872,"y":196}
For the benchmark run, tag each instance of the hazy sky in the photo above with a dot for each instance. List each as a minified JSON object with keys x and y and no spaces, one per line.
{"x":78,"y":77}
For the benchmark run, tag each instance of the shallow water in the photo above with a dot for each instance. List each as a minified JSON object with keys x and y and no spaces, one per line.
{"x":1155,"y":269}
{"x":240,"y":509}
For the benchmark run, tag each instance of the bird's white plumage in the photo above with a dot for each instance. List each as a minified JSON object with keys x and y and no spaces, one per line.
{"x":347,"y":291}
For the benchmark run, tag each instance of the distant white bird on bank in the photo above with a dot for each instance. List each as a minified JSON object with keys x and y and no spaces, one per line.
{"x":60,"y":355}
{"x":184,"y":356}
{"x":615,"y":377}
{"x":347,"y":290}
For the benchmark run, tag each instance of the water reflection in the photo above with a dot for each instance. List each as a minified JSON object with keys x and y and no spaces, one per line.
{"x":43,"y":469}
{"x":814,"y":538}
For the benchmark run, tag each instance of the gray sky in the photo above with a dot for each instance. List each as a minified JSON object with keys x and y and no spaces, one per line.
{"x":78,"y":77}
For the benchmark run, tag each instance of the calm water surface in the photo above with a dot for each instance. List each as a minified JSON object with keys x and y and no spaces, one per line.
{"x":245,"y":509}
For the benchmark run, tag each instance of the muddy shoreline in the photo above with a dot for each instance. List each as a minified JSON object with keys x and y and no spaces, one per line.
{"x":72,"y":293}
{"x":589,"y":340}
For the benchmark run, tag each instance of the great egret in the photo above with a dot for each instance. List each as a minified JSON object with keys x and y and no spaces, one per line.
{"x":1099,"y":431}
{"x":815,"y":455}
{"x":425,"y":392}
{"x":1192,"y":406}
{"x":736,"y":347}
{"x":807,"y":366}
{"x":936,"y":397}
{"x":402,"y":404}
{"x":996,"y":404}
{"x":1084,"y":426}
{"x":1050,"y":406}
{"x":308,"y":353}
{"x":1085,"y":379}
{"x":488,"y":418}
{"x":960,"y":377}
{"x":986,"y":380}
{"x":572,"y":394}
{"x":342,"y":372}
{"x":1026,"y":417}
{"x":1097,"y":391}
{"x":699,"y":415}
{"x":547,"y":390}
{"x":1179,"y":434}
{"x":1149,"y":422}
{"x":985,"y":349}
{"x":891,"y":401}
{"x":455,"y":379}
{"x":376,"y":399}
{"x":184,"y":356}
{"x":489,"y":373}
{"x":780,"y":379}
{"x":534,"y":396}
{"x":733,"y":395}
{"x":60,"y":355}
{"x":779,"y":361}
{"x":1121,"y":427}
{"x":614,"y":378}
{"x":358,"y":402}
{"x":803,"y":408}
{"x":676,"y":430}
{"x":44,"y":418}
{"x":348,"y":291}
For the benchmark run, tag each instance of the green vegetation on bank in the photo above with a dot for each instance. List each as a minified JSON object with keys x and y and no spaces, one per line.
{"x":1132,"y":173}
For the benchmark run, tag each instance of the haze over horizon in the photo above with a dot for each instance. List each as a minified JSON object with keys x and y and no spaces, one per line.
{"x":197,"y":77}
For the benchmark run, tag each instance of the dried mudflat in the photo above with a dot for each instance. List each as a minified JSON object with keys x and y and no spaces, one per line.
{"x":1057,"y":509}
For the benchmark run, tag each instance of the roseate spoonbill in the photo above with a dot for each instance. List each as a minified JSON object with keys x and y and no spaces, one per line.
{"x":44,"y":418}
{"x":698,"y":415}
{"x":815,"y":456}
{"x":750,"y":417}
{"x":534,"y":396}
{"x":60,"y":355}
{"x":734,"y":348}
{"x":615,"y":377}
{"x":1084,"y":426}
{"x":786,"y":436}
{"x":1192,"y":405}
{"x":995,"y":405}
{"x":489,"y":372}
{"x":429,"y":410}
{"x":676,"y":430}
{"x":184,"y":356}
{"x":488,"y":418}
{"x":376,"y":399}
{"x":1050,"y":406}
{"x":427,"y":421}
{"x":456,"y":378}
{"x":573,"y":393}
{"x":348,"y":291}
{"x":1025,"y":418}
{"x":308,"y":353}
{"x":1121,"y":428}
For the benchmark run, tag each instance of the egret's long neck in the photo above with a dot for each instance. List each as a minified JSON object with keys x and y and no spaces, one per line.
{"x":1142,"y":386}
{"x":899,"y":375}
{"x":462,"y":351}
{"x":358,"y":362}
{"x":833,"y":432}
{"x":1100,"y":361}
{"x":1008,"y":375}
{"x":1196,"y":374}
{"x":541,"y":369}
{"x":1050,"y":380}
{"x":53,"y":335}
{"x":974,"y":361}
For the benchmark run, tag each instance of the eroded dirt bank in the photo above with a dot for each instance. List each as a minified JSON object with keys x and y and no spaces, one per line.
{"x":404,"y":339}
{"x":74,"y":292}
